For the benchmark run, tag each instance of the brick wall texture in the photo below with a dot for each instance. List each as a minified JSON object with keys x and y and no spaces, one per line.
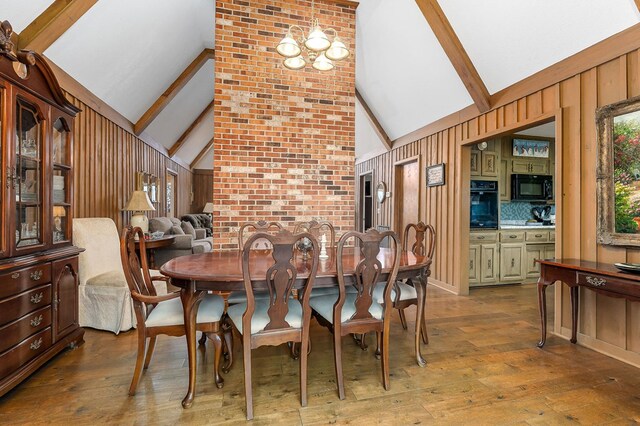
{"x":284,"y":141}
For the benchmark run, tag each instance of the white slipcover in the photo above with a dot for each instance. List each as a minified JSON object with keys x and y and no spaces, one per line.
{"x":104,"y":299}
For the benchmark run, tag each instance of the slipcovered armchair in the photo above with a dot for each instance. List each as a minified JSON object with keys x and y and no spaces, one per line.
{"x":104,"y":299}
{"x":188,"y":240}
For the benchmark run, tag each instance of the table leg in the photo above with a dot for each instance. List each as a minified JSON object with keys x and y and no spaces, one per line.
{"x":191,"y":299}
{"x":574,"y":313}
{"x":542,"y":308}
{"x":421,"y":291}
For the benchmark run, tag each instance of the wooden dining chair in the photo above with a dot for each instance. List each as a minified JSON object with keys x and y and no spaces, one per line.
{"x":404,"y":294}
{"x":157,"y":315}
{"x":280,"y":318}
{"x":349,"y":313}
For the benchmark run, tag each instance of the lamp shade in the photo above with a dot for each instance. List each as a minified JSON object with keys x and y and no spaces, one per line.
{"x":317,"y":40}
{"x":139,"y":202}
{"x":288,"y":47}
{"x":322,"y":63}
{"x":59,"y":211}
{"x":208,"y":208}
{"x":338,"y":51}
{"x":295,"y":63}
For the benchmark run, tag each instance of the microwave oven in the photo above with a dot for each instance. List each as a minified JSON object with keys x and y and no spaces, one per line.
{"x":531,"y":187}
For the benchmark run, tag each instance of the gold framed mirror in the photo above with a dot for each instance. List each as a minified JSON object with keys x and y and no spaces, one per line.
{"x":618,"y":173}
{"x":381,"y":192}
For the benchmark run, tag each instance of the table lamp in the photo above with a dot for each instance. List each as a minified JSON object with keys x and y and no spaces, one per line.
{"x":208,"y":208}
{"x":138,"y":204}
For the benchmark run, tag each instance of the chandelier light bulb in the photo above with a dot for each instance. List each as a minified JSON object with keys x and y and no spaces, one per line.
{"x":295,"y":63}
{"x":338,"y":51}
{"x":317,"y":40}
{"x":322,"y":63}
{"x":288,"y":47}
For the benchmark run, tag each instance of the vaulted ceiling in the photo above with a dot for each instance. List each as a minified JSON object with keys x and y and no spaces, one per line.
{"x":149,"y":59}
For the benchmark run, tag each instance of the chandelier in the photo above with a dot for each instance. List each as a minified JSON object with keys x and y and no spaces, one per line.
{"x":319,"y":50}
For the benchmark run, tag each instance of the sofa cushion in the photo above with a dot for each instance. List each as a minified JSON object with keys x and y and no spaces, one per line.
{"x":177,"y":230}
{"x":200,"y":247}
{"x":188,"y":228}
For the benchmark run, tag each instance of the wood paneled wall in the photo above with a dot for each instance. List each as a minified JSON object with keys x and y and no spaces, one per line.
{"x":106,"y":159}
{"x":202,"y":189}
{"x":608,"y":325}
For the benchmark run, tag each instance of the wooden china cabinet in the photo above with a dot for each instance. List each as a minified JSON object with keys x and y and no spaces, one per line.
{"x":38,"y":263}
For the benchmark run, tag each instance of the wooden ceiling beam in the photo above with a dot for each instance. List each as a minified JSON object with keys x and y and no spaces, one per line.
{"x":637,"y":4}
{"x":202,"y":153}
{"x":182,"y":139}
{"x":172,"y":90}
{"x":376,"y":124}
{"x":457,"y":55}
{"x":43,"y":31}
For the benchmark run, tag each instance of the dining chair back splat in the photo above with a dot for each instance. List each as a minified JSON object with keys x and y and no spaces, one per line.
{"x":347,"y":313}
{"x":316,"y":229}
{"x":259,"y":226}
{"x":162,"y":314}
{"x":279,"y":318}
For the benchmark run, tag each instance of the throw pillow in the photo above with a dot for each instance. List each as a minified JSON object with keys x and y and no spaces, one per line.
{"x":176,"y":230}
{"x":188,"y":229}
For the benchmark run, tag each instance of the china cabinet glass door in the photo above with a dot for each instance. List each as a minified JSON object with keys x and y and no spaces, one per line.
{"x":61,"y":181}
{"x":28,"y":175}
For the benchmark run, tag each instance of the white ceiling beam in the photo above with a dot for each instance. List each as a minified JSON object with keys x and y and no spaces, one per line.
{"x":43,"y":31}
{"x":376,"y":124}
{"x":171,"y":92}
{"x":457,"y":55}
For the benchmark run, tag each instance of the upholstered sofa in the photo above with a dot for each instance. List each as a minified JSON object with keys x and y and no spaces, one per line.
{"x":104,"y":300}
{"x":185,"y":242}
{"x":199,"y":221}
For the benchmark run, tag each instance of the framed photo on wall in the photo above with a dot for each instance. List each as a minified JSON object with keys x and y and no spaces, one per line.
{"x":435,"y":175}
{"x":530,"y":148}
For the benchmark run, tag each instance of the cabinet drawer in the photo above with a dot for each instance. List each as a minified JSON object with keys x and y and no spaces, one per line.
{"x":17,"y":331}
{"x":511,"y":236}
{"x":483,"y":237}
{"x":29,"y":348}
{"x":23,"y":303}
{"x":610,"y":284}
{"x":23,"y":279}
{"x":537,"y":236}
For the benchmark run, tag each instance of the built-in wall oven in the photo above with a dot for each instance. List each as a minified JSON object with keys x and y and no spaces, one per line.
{"x":484,"y":204}
{"x":531,"y":187}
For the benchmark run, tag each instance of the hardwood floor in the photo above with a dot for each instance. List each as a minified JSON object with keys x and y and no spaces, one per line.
{"x":482,"y":367}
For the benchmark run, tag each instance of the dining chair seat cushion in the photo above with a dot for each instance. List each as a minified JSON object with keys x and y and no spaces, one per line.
{"x":406,"y":292}
{"x":323,"y":305}
{"x":260,"y":317}
{"x":241,"y":296}
{"x":170,"y":311}
{"x":324,"y":291}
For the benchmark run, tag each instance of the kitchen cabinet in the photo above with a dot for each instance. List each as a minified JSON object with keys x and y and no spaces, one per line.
{"x":511,"y":267}
{"x":474,"y":262}
{"x":533,"y":252}
{"x":529,"y":166}
{"x":483,"y":263}
{"x":504,"y":184}
{"x":38,"y":263}
{"x":484,"y":163}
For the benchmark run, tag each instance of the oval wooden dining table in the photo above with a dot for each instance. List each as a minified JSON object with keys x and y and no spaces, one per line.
{"x":222,"y":271}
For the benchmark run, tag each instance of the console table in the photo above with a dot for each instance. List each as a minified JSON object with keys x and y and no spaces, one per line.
{"x":600,"y":277}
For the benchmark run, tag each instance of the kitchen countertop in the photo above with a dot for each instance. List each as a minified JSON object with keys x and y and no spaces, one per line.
{"x":527,"y":227}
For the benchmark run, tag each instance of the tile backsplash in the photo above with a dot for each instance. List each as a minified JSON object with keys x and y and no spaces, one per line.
{"x":519,"y":210}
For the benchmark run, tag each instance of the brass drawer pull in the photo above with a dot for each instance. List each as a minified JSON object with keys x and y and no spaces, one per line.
{"x":513,"y":263}
{"x":481,"y":237}
{"x":15,"y":275}
{"x":36,"y":321}
{"x":513,"y":236}
{"x":595,"y":281}
{"x":538,"y":235}
{"x":34,"y":346}
{"x":36,"y":275}
{"x":37,"y":298}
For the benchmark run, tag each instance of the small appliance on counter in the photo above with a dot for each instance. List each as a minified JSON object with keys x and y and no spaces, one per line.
{"x":484,"y":204}
{"x":542,"y":214}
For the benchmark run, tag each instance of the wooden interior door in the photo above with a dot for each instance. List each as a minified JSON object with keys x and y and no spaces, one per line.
{"x":407,"y":193}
